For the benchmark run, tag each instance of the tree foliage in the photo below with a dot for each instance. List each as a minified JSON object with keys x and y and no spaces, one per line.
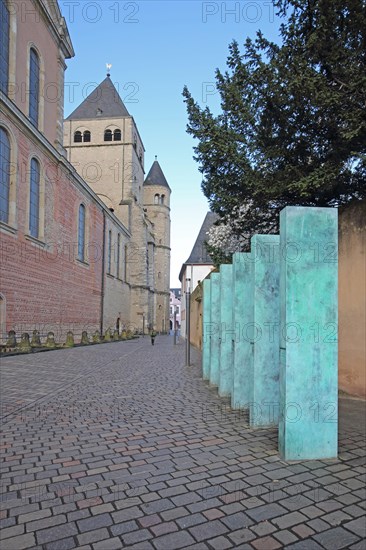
{"x":292,"y":126}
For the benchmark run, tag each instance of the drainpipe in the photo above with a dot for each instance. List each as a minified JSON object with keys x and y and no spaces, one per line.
{"x":103,"y":270}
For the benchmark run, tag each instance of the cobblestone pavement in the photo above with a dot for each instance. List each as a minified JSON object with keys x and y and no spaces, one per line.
{"x":120,"y":445}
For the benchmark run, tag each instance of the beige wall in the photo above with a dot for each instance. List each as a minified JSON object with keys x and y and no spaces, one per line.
{"x":196,"y":316}
{"x":352,"y":299}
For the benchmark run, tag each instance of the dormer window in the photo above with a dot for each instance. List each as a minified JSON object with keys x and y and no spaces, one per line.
{"x":78,"y":137}
{"x":87,"y":136}
{"x":117,"y":136}
{"x":108,"y":135}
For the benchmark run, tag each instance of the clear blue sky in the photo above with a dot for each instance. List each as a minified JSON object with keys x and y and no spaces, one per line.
{"x":156,"y":47}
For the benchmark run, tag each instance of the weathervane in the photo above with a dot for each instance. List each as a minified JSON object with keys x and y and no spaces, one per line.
{"x":109,"y":66}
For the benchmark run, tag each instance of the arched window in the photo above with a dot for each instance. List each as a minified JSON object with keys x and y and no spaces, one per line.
{"x":33,"y":86}
{"x":156,"y":199}
{"x":81,"y":233}
{"x":162,"y":199}
{"x":108,"y":135}
{"x":4,"y":50}
{"x":78,"y":138}
{"x":87,"y":136}
{"x":34,"y":198}
{"x":4,"y":175}
{"x":117,"y":136}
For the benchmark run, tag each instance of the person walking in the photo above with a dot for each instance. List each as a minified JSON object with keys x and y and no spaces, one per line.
{"x":153,"y":335}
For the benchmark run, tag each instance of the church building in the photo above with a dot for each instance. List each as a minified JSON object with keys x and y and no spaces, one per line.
{"x":85,"y":235}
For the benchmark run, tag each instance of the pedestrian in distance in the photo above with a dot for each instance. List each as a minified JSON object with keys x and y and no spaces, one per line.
{"x":153,"y":335}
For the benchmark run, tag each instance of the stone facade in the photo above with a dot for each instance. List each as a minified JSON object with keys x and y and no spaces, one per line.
{"x":122,"y":278}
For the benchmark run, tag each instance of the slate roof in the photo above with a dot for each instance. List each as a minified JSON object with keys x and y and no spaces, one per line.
{"x":156,"y":176}
{"x":103,"y":102}
{"x":199,"y":254}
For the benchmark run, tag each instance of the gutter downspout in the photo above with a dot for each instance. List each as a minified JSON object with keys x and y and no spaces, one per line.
{"x":103,"y":270}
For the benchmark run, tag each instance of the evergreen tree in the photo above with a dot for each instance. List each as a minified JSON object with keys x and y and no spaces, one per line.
{"x":292,"y":127}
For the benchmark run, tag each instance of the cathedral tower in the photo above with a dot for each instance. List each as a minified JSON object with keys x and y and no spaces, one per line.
{"x":157,"y":207}
{"x":103,"y":143}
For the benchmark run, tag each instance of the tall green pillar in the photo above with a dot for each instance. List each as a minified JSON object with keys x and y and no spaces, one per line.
{"x":308,"y":336}
{"x":242,"y":320}
{"x":206,"y":329}
{"x":227,"y":330}
{"x":215,"y":330}
{"x":264,"y":379}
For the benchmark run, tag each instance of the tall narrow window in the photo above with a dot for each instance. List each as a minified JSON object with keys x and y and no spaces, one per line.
{"x":109,"y":252}
{"x":125,"y":264}
{"x":108,"y":135}
{"x":162,"y":199}
{"x":156,"y":199}
{"x":81,"y":233}
{"x":118,"y":254}
{"x":117,"y":136}
{"x":87,"y":136}
{"x":78,"y":138}
{"x":34,"y":198}
{"x":33,"y":86}
{"x":4,"y":175}
{"x":4,"y":46}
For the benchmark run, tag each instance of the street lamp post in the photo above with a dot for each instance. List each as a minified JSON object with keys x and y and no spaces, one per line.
{"x":175,"y":325}
{"x":188,"y":323}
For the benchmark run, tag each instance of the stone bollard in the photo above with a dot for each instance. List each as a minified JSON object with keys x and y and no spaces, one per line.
{"x":115,"y":335}
{"x":36,"y":340}
{"x":107,"y":335}
{"x":50,"y":342}
{"x":24,"y":342}
{"x":129,"y":334}
{"x":123,"y":335}
{"x":12,"y":340}
{"x":96,"y":337}
{"x":84,"y":338}
{"x":70,"y":342}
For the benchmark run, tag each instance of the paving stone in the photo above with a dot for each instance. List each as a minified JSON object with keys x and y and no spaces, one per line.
{"x":336,"y":538}
{"x":180,"y":539}
{"x":19,"y":542}
{"x":266,"y":543}
{"x":289,"y":520}
{"x":241,"y":536}
{"x":93,"y":536}
{"x":63,"y":544}
{"x":220,"y":543}
{"x":357,"y":526}
{"x":285,"y":536}
{"x":191,"y":520}
{"x":208,"y":530}
{"x":56,"y":533}
{"x":95,"y":522}
{"x":268,"y":511}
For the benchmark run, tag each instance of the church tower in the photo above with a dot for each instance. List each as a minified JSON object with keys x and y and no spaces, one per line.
{"x":157,"y":207}
{"x":104,"y":145}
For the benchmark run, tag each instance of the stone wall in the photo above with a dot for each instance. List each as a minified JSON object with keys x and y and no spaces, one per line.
{"x":352,"y":299}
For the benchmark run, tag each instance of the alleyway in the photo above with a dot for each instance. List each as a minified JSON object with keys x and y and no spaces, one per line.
{"x":120,"y":445}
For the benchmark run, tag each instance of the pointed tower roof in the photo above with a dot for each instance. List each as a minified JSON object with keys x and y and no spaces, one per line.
{"x":156,"y":176}
{"x":103,"y":102}
{"x":199,"y":254}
